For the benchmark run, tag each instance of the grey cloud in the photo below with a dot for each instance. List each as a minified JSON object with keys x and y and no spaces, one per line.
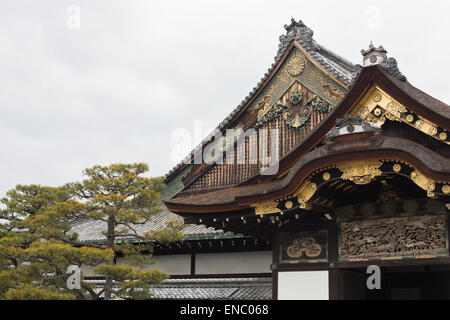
{"x":115,"y":90}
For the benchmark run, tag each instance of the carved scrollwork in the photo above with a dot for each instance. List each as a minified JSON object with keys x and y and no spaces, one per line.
{"x":270,"y":115}
{"x":306,"y":245}
{"x":295,"y":119}
{"x":320,"y":105}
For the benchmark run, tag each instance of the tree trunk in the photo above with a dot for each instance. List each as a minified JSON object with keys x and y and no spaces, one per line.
{"x":110,"y":237}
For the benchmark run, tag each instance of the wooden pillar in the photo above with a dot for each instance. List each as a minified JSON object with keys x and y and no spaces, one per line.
{"x":335,"y":277}
{"x":275,"y":253}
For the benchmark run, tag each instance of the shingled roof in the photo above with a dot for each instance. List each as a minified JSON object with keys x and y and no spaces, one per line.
{"x":93,"y":231}
{"x":437,"y":106}
{"x":208,"y":289}
{"x":215,"y":289}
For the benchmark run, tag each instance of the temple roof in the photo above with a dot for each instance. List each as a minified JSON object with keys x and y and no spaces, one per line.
{"x":438,"y":107}
{"x":301,"y":35}
{"x":363,"y":146}
{"x":378,"y":146}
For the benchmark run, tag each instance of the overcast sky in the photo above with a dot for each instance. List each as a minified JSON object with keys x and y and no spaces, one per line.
{"x":113,"y":83}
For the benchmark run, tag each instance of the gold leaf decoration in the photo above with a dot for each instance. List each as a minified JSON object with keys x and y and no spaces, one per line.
{"x":361,"y":172}
{"x":266,"y":207}
{"x":422,"y":181}
{"x":296,"y":65}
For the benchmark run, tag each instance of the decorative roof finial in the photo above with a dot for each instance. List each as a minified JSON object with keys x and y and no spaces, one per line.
{"x":377,"y":56}
{"x":297,"y":31}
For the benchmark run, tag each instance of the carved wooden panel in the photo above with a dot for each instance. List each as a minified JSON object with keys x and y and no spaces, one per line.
{"x":305,"y":247}
{"x":224,"y":175}
{"x":394,"y":238}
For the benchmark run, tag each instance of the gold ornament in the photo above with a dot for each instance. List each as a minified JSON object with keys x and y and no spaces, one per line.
{"x":397,"y":168}
{"x":443,"y":136}
{"x":423,"y":182}
{"x":362,"y":172}
{"x":376,"y":97}
{"x":305,"y":192}
{"x":364,"y":112}
{"x":326,"y":176}
{"x":296,"y":65}
{"x":446,"y":189}
{"x":288,"y":204}
{"x":426,"y":127}
{"x":395,"y":109}
{"x":266,"y":207}
{"x":409,"y":118}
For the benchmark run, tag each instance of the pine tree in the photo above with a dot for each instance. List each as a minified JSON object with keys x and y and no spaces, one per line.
{"x":37,"y":244}
{"x":33,"y":254}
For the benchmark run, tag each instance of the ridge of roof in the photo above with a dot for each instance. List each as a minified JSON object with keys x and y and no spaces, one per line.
{"x":296,"y":31}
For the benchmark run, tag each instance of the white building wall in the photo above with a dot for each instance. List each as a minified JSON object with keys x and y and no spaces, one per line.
{"x":303,"y":285}
{"x":233,"y":262}
{"x":179,"y":264}
{"x":171,"y":264}
{"x":207,"y":263}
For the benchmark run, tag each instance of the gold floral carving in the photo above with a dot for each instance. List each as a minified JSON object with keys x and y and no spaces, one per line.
{"x":395,"y":109}
{"x":423,"y":182}
{"x":369,"y":110}
{"x":266,"y":207}
{"x":306,"y":245}
{"x":361,"y":172}
{"x":426,"y":127}
{"x":296,"y":65}
{"x":293,"y":67}
{"x":305,"y":192}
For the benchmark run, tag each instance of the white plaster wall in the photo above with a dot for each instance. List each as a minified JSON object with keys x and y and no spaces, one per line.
{"x":303,"y":285}
{"x":170,"y":264}
{"x":207,"y":263}
{"x":233,"y":262}
{"x":179,"y":264}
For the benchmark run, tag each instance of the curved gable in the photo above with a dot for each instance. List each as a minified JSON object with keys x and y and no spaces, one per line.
{"x":301,"y":65}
